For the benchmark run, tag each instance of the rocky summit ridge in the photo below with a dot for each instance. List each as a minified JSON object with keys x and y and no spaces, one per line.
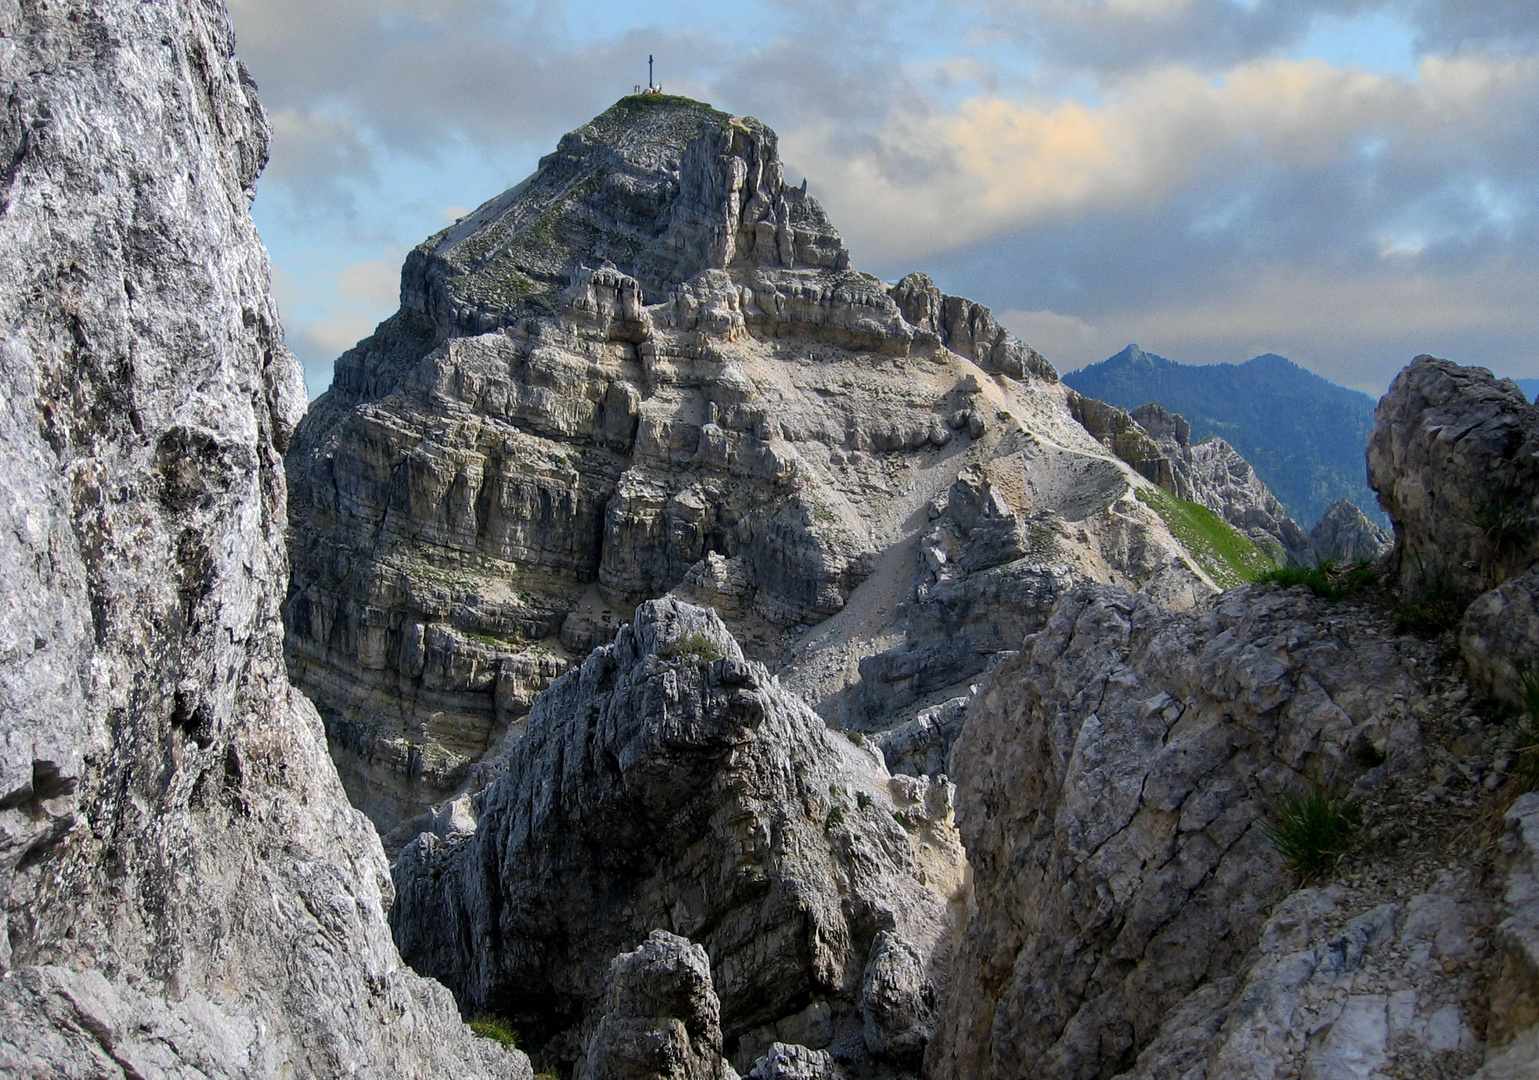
{"x":940,"y":752}
{"x":650,"y":369}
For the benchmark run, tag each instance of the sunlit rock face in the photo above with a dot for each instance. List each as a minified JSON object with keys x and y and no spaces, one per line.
{"x":184,"y":889}
{"x":650,"y":368}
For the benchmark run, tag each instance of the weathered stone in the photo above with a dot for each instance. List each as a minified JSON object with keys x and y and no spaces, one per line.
{"x":1345,"y":534}
{"x":1454,"y":456}
{"x":661,"y":1018}
{"x":184,"y":890}
{"x":789,"y":1061}
{"x":1111,"y":782}
{"x":1499,"y":639}
{"x":669,"y":783}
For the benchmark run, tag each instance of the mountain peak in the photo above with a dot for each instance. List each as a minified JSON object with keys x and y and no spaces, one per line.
{"x":659,"y":187}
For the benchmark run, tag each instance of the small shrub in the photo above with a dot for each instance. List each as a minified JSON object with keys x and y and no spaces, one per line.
{"x":1526,"y":769}
{"x":902,"y":819}
{"x":835,"y":817}
{"x":1437,"y":608}
{"x":854,"y":736}
{"x":1327,"y":581}
{"x":495,"y":1029}
{"x":863,"y":800}
{"x":695,"y":649}
{"x":1311,"y":832}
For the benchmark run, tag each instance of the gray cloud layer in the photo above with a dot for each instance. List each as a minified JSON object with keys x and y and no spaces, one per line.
{"x":1099,"y":168}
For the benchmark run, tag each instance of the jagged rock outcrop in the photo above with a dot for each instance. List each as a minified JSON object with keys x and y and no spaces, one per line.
{"x":661,"y":1018}
{"x":1214,"y":474}
{"x":184,"y":890}
{"x":648,"y":369}
{"x":667,"y":783}
{"x":1345,"y":534}
{"x":1112,"y":784}
{"x":1454,"y":456}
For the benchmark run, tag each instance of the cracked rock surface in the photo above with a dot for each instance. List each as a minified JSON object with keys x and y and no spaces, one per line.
{"x":649,"y":369}
{"x":667,"y":783}
{"x":1112,"y":780}
{"x":184,"y":889}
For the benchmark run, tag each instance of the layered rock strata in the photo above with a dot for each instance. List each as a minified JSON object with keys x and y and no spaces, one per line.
{"x":184,"y":889}
{"x":650,"y":368}
{"x":669,"y":784}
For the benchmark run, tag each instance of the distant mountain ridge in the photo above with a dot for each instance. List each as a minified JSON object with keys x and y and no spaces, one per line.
{"x":1304,"y":435}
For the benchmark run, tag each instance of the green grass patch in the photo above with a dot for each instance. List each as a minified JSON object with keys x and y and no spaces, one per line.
{"x":1436,"y":608}
{"x":1327,"y":581}
{"x":495,"y":1029}
{"x":693,"y":649}
{"x":1526,"y":723}
{"x":1227,"y":557}
{"x":1312,"y":831}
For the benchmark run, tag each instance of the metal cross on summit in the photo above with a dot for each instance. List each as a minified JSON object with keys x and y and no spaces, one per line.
{"x":652,"y":87}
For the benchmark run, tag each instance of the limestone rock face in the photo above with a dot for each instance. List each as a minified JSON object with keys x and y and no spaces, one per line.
{"x":667,"y":783}
{"x":184,"y":889}
{"x":1454,"y":456}
{"x":1499,"y":638}
{"x":1111,"y":783}
{"x":649,"y":369}
{"x":661,"y":1016}
{"x":1333,"y":993}
{"x":1214,"y":474}
{"x":1345,"y":534}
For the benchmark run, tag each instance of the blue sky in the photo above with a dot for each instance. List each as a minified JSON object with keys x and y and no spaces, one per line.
{"x":1346,"y":183}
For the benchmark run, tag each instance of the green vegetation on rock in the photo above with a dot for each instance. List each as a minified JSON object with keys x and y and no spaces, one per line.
{"x":1327,"y":581}
{"x":1313,"y":831}
{"x":693,"y":649}
{"x":495,"y":1029}
{"x":1304,"y":435}
{"x":1227,"y":557}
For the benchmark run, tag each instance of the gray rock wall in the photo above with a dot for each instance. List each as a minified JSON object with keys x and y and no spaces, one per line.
{"x":668,"y":784}
{"x":1454,"y":456}
{"x":184,"y":890}
{"x":1112,"y":780}
{"x":649,"y":359}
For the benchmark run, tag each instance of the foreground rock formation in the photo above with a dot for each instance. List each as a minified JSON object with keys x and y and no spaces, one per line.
{"x":1116,"y":781}
{"x":647,"y":369}
{"x":184,"y":890}
{"x":669,"y":784}
{"x":1455,"y":459}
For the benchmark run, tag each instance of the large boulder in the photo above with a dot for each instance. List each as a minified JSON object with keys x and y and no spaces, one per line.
{"x":662,"y":1020}
{"x":184,"y":889}
{"x":667,"y":783}
{"x":1499,"y":639}
{"x":1454,"y":456}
